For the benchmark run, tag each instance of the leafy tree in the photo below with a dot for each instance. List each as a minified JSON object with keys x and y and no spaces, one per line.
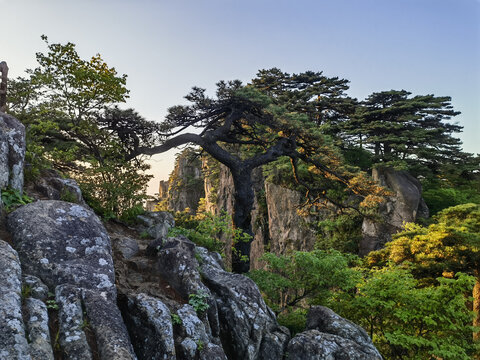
{"x":243,"y":129}
{"x":294,"y":281}
{"x":407,"y":130}
{"x":66,"y":105}
{"x":287,"y":280}
{"x":408,"y":321}
{"x":450,"y":245}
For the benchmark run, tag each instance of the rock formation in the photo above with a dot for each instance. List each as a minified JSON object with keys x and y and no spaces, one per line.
{"x":12,"y":152}
{"x":405,"y":205}
{"x":64,"y":294}
{"x":329,"y":336}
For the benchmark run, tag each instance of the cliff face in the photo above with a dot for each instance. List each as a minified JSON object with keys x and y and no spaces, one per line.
{"x":406,"y":205}
{"x":185,"y":187}
{"x":276,"y":224}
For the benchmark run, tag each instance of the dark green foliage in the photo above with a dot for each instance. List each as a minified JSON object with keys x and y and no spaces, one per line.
{"x":288,"y":280}
{"x":199,"y":302}
{"x":321,"y":98}
{"x":295,"y":320}
{"x":129,"y":216}
{"x":13,"y":198}
{"x":206,"y":229}
{"x":408,"y":321}
{"x":406,"y":131}
{"x":451,"y":190}
{"x":340,"y":231}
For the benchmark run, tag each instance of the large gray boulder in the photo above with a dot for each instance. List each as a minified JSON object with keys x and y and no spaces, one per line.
{"x":405,"y":205}
{"x":63,"y":243}
{"x":13,"y":341}
{"x":327,"y":321}
{"x":328,"y":336}
{"x":12,"y":152}
{"x":68,"y":248}
{"x":315,"y":345}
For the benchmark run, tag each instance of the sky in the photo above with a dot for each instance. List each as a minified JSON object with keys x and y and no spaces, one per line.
{"x":166,"y":47}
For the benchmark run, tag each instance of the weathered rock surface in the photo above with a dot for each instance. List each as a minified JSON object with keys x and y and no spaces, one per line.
{"x":315,"y":345}
{"x":68,"y":247}
{"x":327,"y":321}
{"x":185,"y":185}
{"x":50,"y":185}
{"x":12,"y":152}
{"x":331,"y":337}
{"x":125,"y":245}
{"x":406,"y":205}
{"x":245,"y":320}
{"x":150,"y":325}
{"x":237,"y":315}
{"x":288,"y":230}
{"x":63,"y":243}
{"x":37,"y":288}
{"x":36,"y":323}
{"x":72,"y":337}
{"x":195,"y":337}
{"x":13,"y":342}
{"x":156,"y":223}
{"x":178,"y":264}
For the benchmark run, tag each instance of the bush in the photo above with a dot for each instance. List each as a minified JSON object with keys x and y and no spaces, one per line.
{"x":206,"y":230}
{"x":13,"y":198}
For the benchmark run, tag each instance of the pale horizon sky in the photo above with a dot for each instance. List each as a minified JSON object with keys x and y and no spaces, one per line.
{"x":166,"y":47}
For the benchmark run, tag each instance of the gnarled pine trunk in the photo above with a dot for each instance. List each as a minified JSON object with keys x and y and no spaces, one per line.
{"x":242,"y":217}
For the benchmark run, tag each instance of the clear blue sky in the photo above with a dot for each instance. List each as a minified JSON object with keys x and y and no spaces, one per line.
{"x":165,"y":47}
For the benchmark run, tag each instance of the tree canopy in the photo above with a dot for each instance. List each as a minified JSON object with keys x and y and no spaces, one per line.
{"x":410,"y":130}
{"x":244,"y":128}
{"x":68,"y":106}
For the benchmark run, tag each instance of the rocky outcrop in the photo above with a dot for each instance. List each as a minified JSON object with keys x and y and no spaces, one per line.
{"x":331,"y":337}
{"x":185,"y":185}
{"x":13,"y":341}
{"x":12,"y":152}
{"x":236,"y":316}
{"x":288,"y":230}
{"x":405,"y":205}
{"x":185,"y":306}
{"x":67,"y":246}
{"x":156,"y":223}
{"x":149,"y":322}
{"x":246,"y":323}
{"x":52,"y":186}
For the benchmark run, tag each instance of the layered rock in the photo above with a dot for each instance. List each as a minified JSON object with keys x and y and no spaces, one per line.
{"x":405,"y":205}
